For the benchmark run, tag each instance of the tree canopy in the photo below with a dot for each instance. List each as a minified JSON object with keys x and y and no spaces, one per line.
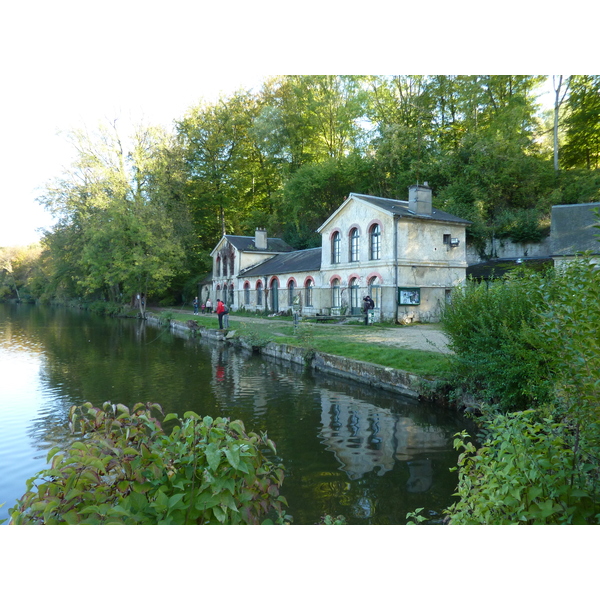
{"x":140,"y":215}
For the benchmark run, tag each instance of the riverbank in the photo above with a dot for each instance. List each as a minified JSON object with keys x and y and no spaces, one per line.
{"x":419,"y":343}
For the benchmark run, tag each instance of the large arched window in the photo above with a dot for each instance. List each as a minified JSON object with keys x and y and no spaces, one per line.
{"x":375,"y":242}
{"x":354,"y":245}
{"x":225,"y":267}
{"x":246,"y":293}
{"x":291,"y":287}
{"x":309,"y":292}
{"x":218,"y":273}
{"x":355,"y":304}
{"x":375,"y":291}
{"x":335,"y":293}
{"x":336,"y":248}
{"x":259,"y":293}
{"x":231,"y":295}
{"x":275,"y":295}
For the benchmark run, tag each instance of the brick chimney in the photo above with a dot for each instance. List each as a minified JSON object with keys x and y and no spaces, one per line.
{"x":260,"y":239}
{"x":419,"y":199}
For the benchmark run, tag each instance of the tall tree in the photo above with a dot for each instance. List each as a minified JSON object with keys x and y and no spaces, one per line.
{"x":116,"y":234}
{"x":582,"y":146}
{"x":561,"y":89}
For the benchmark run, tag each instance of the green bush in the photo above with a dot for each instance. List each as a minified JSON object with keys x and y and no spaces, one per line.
{"x":531,"y":470}
{"x":499,"y":357}
{"x":124,"y":469}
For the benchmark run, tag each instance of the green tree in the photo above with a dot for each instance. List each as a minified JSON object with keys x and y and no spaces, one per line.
{"x":117,"y":233}
{"x":582,"y":144}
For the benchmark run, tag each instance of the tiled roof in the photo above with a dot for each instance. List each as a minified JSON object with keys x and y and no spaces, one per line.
{"x":400,"y":208}
{"x":290,"y":262}
{"x":246,"y":244}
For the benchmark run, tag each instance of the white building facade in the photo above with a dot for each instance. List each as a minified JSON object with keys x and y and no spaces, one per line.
{"x":407,"y":255}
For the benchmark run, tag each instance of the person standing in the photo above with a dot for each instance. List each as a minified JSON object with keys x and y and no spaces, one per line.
{"x":367,"y":305}
{"x":220,"y":312}
{"x":195,"y":305}
{"x":225,"y":316}
{"x":208,"y":306}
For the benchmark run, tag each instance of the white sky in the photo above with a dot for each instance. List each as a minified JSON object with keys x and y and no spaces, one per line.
{"x":67,"y":64}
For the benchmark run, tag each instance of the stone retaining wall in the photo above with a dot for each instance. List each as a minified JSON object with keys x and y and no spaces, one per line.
{"x":386,"y":378}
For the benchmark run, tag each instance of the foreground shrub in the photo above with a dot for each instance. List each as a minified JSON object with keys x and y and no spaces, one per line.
{"x":493,"y":330}
{"x":124,"y":469}
{"x":531,"y":470}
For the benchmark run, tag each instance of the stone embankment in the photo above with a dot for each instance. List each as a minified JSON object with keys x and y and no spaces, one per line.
{"x":386,"y":378}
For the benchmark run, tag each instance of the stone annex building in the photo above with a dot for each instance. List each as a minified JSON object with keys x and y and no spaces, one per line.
{"x":407,"y":255}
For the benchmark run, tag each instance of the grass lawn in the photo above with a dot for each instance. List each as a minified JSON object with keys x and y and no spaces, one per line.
{"x":322,"y":338}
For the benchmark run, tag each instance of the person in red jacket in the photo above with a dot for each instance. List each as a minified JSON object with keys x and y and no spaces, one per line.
{"x":220,"y":312}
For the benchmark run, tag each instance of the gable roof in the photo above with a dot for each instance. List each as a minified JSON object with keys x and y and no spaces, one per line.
{"x":290,"y":262}
{"x":398,"y":208}
{"x":245,"y":243}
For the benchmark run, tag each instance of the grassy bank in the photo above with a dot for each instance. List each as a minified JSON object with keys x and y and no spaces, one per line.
{"x":339,"y":340}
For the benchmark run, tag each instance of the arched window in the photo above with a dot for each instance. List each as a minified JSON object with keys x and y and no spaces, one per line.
{"x":354,"y":297}
{"x":291,"y":287}
{"x":335,"y":293}
{"x":375,"y":291}
{"x":225,"y":267}
{"x":246,"y":293}
{"x":309,"y":292}
{"x":230,"y":303}
{"x":336,"y":248}
{"x":231,"y":262}
{"x":218,"y":266}
{"x":275,"y":295}
{"x":375,"y":242}
{"x":354,"y":245}
{"x":259,"y":293}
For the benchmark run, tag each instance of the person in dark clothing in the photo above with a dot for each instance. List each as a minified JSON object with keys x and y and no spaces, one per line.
{"x":368,"y":304}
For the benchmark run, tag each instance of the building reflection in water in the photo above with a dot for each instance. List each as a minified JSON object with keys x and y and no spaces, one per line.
{"x":366,"y":438}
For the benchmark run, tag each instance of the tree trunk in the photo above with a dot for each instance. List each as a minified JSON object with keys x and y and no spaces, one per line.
{"x":556,"y":107}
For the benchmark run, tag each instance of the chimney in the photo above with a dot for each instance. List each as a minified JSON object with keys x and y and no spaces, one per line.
{"x":260,"y":239}
{"x":419,"y":199}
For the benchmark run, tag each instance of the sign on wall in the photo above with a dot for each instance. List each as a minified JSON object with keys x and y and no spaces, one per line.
{"x":409,"y":296}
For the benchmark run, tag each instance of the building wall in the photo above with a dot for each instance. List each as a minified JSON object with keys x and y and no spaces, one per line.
{"x":424,"y":261}
{"x":283,"y":303}
{"x":498,"y":248}
{"x":412,"y":255}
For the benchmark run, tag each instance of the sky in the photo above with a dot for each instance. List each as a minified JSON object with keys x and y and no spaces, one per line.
{"x":68,"y":65}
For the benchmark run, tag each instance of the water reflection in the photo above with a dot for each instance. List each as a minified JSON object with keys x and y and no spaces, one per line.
{"x":347,"y":449}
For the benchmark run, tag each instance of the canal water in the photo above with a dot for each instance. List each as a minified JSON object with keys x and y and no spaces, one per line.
{"x":348,"y":449}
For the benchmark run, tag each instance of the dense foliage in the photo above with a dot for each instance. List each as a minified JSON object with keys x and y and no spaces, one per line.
{"x":140,"y":213}
{"x":529,"y":341}
{"x":123,"y":468}
{"x":531,"y":470}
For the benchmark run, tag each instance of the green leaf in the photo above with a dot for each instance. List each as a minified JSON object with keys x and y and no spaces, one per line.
{"x":213,"y":456}
{"x":233,"y":455}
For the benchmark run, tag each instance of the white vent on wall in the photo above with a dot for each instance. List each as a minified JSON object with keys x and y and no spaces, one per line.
{"x":454,"y":242}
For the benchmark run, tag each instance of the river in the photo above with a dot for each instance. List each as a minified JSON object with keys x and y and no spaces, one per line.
{"x":348,"y":449}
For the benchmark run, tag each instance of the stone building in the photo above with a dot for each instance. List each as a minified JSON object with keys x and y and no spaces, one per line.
{"x":406,"y":254}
